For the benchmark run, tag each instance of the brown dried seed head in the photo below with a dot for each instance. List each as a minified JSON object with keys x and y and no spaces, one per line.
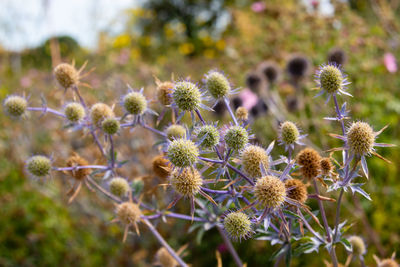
{"x":296,"y":190}
{"x":326,"y":166}
{"x":165,"y":259}
{"x":270,"y":191}
{"x":309,"y":160}
{"x":128,"y":212}
{"x":161,"y":166}
{"x":74,"y":161}
{"x":66,"y":75}
{"x":164,"y":93}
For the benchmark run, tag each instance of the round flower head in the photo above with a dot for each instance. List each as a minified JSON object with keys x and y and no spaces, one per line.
{"x":237,"y":225}
{"x":236,"y":137}
{"x":358,"y":245}
{"x":99,"y":112}
{"x":15,"y":106}
{"x":208,"y":136}
{"x":187,"y":96}
{"x":297,"y":67}
{"x":66,"y":75}
{"x":161,"y":166}
{"x":331,"y":80}
{"x":242,"y":113}
{"x":165,"y":259}
{"x":74,"y":112}
{"x":289,"y":134}
{"x":187,"y":182}
{"x":337,"y":56}
{"x":39,"y":166}
{"x":164,"y":92}
{"x":128,"y":213}
{"x":309,"y":161}
{"x":110,"y":126}
{"x":326,"y":166}
{"x":182,"y":153}
{"x":270,"y":70}
{"x":175,"y":131}
{"x":296,"y":190}
{"x":119,"y":186}
{"x":74,"y":161}
{"x":134,"y":103}
{"x":360,"y":138}
{"x":252,"y":158}
{"x":217,"y":84}
{"x":270,"y":191}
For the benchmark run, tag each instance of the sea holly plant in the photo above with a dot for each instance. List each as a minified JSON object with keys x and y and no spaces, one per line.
{"x":230,"y":182}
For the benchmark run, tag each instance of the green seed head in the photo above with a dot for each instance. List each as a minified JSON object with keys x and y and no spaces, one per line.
{"x":128,"y":213}
{"x":74,"y":112}
{"x":99,"y":112}
{"x":187,"y":96}
{"x":331,"y":79}
{"x":182,"y":153}
{"x":39,"y":166}
{"x":270,"y":191}
{"x":237,"y":225}
{"x":15,"y":106}
{"x":119,"y":186}
{"x":175,"y":131}
{"x":110,"y":126}
{"x":289,"y":132}
{"x":217,"y":84}
{"x":187,"y":183}
{"x":358,"y":245}
{"x":360,"y":138}
{"x":252,"y":157}
{"x":66,"y":75}
{"x":135,"y":103}
{"x":210,"y":136}
{"x":236,"y":137}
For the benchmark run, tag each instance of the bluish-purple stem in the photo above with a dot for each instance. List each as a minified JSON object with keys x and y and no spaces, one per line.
{"x":211,"y":160}
{"x":228,"y":107}
{"x":81,"y":167}
{"x":174,"y":215}
{"x":240,"y":173}
{"x":153,"y":130}
{"x":112,"y":165}
{"x":221,"y":192}
{"x":45,"y":110}
{"x":200,"y":117}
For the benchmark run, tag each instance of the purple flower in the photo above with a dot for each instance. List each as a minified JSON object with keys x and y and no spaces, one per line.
{"x":258,"y":6}
{"x":390,"y":62}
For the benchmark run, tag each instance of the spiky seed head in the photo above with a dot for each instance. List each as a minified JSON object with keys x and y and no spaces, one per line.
{"x":161,"y":166}
{"x":39,"y":166}
{"x":99,"y":112}
{"x":217,"y":84}
{"x":165,"y":259}
{"x":326,"y":166}
{"x":289,"y":132}
{"x":310,"y":162}
{"x":270,"y":191}
{"x":236,"y":137}
{"x":237,"y":225}
{"x":134,"y":103}
{"x":295,"y":189}
{"x":74,"y":161}
{"x":298,"y":66}
{"x":74,"y":112}
{"x":357,"y":244}
{"x":242,"y":113}
{"x":187,"y":96}
{"x":110,"y":126}
{"x":128,"y":212}
{"x":15,"y":106}
{"x":175,"y":131}
{"x":119,"y":186}
{"x":270,"y":70}
{"x":388,"y":263}
{"x":182,"y":153}
{"x":187,"y":182}
{"x":66,"y":75}
{"x":337,"y":56}
{"x":210,"y":136}
{"x":164,"y":93}
{"x":253,"y":82}
{"x":360,"y":138}
{"x":331,"y":79}
{"x":252,"y":157}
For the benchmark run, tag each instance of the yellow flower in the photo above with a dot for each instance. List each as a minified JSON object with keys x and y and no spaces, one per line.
{"x":220,"y":44}
{"x":186,"y":48}
{"x":146,"y":41}
{"x":209,"y":53}
{"x":135,"y":53}
{"x":121,"y":41}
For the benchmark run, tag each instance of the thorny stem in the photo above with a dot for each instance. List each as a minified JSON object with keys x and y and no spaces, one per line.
{"x":45,"y":110}
{"x":308,"y":226}
{"x":76,"y":90}
{"x":163,"y":242}
{"x":322,"y":210}
{"x":228,"y":107}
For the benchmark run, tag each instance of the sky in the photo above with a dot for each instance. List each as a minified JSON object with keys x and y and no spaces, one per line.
{"x":28,"y":23}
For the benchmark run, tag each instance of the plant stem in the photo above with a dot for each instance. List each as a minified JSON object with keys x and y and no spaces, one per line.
{"x":240,"y":173}
{"x":45,"y":110}
{"x":81,"y":167}
{"x":322,"y":210}
{"x":154,"y":130}
{"x":212,"y":191}
{"x":102,"y":190}
{"x":228,"y":107}
{"x":231,"y":249}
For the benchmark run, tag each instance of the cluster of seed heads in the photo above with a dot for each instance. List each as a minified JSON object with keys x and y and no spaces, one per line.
{"x":296,"y":190}
{"x":99,"y":112}
{"x":66,"y":75}
{"x":187,"y":182}
{"x":182,"y":153}
{"x":161,"y":166}
{"x":209,"y":135}
{"x":360,"y":138}
{"x":175,"y":131}
{"x":270,"y":191}
{"x":164,"y":93}
{"x":237,"y":225}
{"x":128,"y":213}
{"x":331,"y":79}
{"x":326,"y":166}
{"x":253,"y":158}
{"x":110,"y":126}
{"x":242,"y":114}
{"x":217,"y":84}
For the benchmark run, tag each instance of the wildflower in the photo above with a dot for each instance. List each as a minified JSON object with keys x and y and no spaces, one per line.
{"x":390,"y":62}
{"x":119,"y":186}
{"x":134,"y":103}
{"x":110,"y":126}
{"x":79,"y":175}
{"x":236,"y":137}
{"x":258,"y":7}
{"x":358,"y":245}
{"x":164,"y":92}
{"x":217,"y":84}
{"x":66,"y":75}
{"x":253,"y":157}
{"x":237,"y":225}
{"x":182,"y":153}
{"x":74,"y":112}
{"x":208,"y":136}
{"x":296,"y":190}
{"x":289,"y":135}
{"x":247,"y":99}
{"x":309,"y":161}
{"x":326,"y":166}
{"x":187,"y":182}
{"x":331,"y":80}
{"x":270,"y":70}
{"x":161,"y":166}
{"x":175,"y":131}
{"x":15,"y":106}
{"x":99,"y":112}
{"x":39,"y":166}
{"x":242,"y":113}
{"x":298,"y":66}
{"x":270,"y":191}
{"x":129,"y":214}
{"x":337,"y":56}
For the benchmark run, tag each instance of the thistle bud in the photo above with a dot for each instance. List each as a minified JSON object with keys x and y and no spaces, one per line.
{"x":360,"y":138}
{"x":296,"y":190}
{"x":358,"y":245}
{"x":187,"y":182}
{"x":309,"y":160}
{"x":252,"y":157}
{"x":119,"y":186}
{"x":209,"y":136}
{"x":39,"y":166}
{"x":270,"y":191}
{"x":66,"y":75}
{"x":331,"y":79}
{"x":182,"y":153}
{"x":134,"y":103}
{"x":15,"y":106}
{"x":110,"y":126}
{"x":236,"y":137}
{"x":187,"y":96}
{"x":164,"y":93}
{"x":289,"y":133}
{"x":217,"y":84}
{"x":242,"y":113}
{"x":175,"y":131}
{"x":74,"y":112}
{"x":161,"y":166}
{"x":128,"y":213}
{"x":326,"y":166}
{"x":99,"y":112}
{"x":237,"y":225}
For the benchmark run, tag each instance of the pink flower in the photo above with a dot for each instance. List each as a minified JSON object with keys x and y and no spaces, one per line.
{"x":390,"y":62}
{"x":258,"y":6}
{"x":249,"y":99}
